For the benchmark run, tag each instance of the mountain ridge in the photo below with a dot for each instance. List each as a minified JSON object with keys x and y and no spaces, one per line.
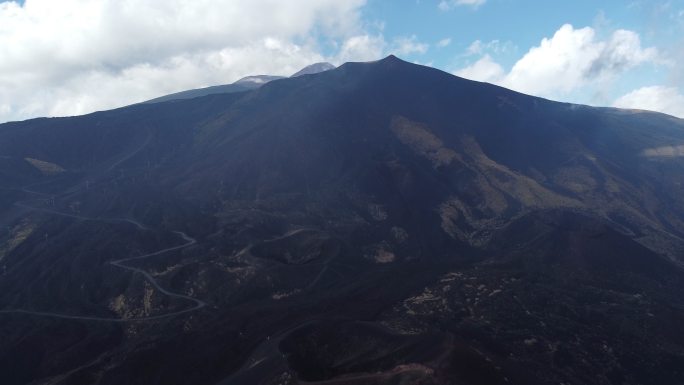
{"x":243,"y":84}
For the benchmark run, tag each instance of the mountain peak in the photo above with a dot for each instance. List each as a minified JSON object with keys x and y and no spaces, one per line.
{"x":392,"y":59}
{"x":314,"y":69}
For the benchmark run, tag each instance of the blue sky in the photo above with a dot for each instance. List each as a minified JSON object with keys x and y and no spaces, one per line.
{"x":67,"y":57}
{"x":523,"y":23}
{"x":508,"y":29}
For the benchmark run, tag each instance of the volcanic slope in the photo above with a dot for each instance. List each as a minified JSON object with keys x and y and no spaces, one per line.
{"x":380,"y":223}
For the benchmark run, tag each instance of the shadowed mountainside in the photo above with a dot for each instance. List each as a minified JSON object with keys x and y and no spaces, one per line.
{"x":378,"y":223}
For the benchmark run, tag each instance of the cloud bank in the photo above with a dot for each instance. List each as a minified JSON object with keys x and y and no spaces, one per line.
{"x":66,"y":57}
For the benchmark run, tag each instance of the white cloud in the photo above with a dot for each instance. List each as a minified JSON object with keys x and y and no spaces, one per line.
{"x":655,"y":98}
{"x":61,"y":57}
{"x":475,"y":48}
{"x":574,"y":57}
{"x":444,"y":42}
{"x":97,"y":90}
{"x":408,"y":45}
{"x":361,"y":48}
{"x":446,"y":5}
{"x":485,"y":70}
{"x":571,"y":59}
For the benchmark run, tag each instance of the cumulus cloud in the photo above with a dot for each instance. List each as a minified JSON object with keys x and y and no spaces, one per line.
{"x":446,"y":5}
{"x":655,"y":98}
{"x":485,"y":70}
{"x":361,"y":48}
{"x":63,"y":57}
{"x":571,"y":59}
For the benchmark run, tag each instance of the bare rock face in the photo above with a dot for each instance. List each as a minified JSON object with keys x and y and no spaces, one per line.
{"x":376,"y":223}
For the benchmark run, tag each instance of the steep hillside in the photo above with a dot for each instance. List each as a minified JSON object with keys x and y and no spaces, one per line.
{"x":380,"y":223}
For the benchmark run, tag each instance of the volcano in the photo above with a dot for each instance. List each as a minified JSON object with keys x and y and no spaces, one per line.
{"x":376,"y":223}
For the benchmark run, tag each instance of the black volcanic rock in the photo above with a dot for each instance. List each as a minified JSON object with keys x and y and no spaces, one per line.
{"x":378,"y":223}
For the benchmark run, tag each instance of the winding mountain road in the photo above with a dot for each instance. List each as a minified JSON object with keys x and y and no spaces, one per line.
{"x":120,"y":263}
